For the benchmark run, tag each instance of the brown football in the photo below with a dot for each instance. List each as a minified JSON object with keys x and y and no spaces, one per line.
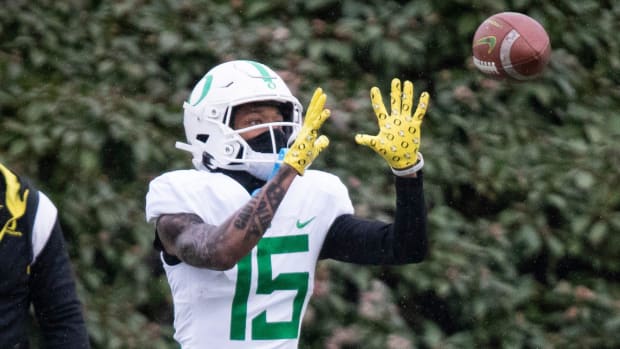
{"x":511,"y":45}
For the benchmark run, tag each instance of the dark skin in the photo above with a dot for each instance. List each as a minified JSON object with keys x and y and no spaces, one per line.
{"x":220,"y":247}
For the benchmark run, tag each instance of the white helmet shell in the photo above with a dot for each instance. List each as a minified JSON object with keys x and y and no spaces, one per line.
{"x":207,"y":114}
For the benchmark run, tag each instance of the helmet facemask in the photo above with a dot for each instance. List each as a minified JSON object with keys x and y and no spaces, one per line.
{"x":263,"y":150}
{"x":224,"y":147}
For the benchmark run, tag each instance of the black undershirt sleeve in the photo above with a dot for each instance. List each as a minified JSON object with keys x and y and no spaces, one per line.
{"x":57,"y":308}
{"x":362,"y":241}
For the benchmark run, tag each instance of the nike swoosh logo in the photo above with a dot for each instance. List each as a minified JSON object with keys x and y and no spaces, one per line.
{"x":487,"y":40}
{"x":300,"y":225}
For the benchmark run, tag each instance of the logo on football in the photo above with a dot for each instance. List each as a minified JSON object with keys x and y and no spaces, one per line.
{"x":511,"y":45}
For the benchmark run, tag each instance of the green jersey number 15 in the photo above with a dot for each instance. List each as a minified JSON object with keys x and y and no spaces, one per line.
{"x":267,"y":284}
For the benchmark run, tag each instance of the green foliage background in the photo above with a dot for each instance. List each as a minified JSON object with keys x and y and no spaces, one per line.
{"x":521,"y":179}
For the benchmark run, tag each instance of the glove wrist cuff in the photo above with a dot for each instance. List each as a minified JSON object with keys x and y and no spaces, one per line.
{"x":413,"y":169}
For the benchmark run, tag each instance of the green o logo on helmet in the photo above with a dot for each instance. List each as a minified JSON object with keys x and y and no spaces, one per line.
{"x":205,"y":89}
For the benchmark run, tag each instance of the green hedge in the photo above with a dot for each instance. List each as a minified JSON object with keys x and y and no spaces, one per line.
{"x":521,"y":179}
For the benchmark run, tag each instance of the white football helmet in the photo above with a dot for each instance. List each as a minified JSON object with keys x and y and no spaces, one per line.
{"x":207,"y":117}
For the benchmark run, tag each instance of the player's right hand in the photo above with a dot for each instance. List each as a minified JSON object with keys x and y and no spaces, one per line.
{"x":308,"y":143}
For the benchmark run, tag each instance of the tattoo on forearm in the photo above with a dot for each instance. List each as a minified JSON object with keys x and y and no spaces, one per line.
{"x":275,"y":193}
{"x":260,"y":220}
{"x":256,"y":216}
{"x":243,"y":217}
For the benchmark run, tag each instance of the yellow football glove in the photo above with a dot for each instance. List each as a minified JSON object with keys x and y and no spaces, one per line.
{"x":398,"y":139}
{"x":308,"y":143}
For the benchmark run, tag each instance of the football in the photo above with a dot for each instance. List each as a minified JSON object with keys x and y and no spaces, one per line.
{"x":511,"y":45}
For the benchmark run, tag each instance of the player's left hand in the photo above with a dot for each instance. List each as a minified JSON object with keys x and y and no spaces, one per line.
{"x":308,"y":143}
{"x":399,"y":134}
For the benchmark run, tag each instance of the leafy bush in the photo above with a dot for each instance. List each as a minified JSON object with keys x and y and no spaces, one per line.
{"x":521,"y":179}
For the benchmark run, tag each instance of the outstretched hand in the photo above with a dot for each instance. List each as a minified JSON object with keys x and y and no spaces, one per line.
{"x":308,"y":143}
{"x":399,"y":134}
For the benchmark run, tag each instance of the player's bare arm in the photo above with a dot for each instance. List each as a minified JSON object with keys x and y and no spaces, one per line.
{"x":199,"y":244}
{"x":203,"y":245}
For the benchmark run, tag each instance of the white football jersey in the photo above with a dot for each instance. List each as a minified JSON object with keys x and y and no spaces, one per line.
{"x":258,"y":304}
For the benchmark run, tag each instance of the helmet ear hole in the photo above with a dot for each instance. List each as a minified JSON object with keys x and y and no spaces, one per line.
{"x":202,"y":137}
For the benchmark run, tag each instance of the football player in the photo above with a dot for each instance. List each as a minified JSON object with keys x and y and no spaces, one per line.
{"x":240,"y":235}
{"x":35,"y":269}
